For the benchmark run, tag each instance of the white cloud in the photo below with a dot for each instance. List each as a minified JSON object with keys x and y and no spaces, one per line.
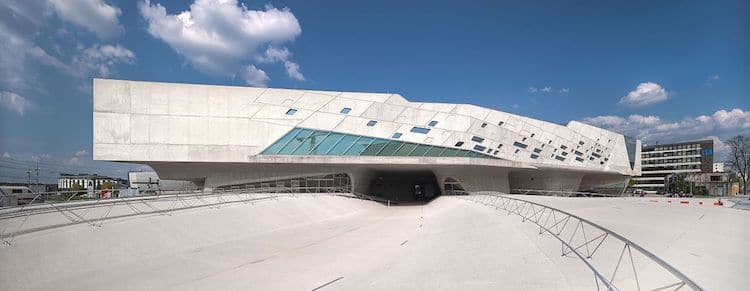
{"x":273,"y":54}
{"x":221,"y":36}
{"x":548,"y":89}
{"x":255,"y":77}
{"x":645,"y":94}
{"x":94,"y":15}
{"x":721,"y":123}
{"x":15,"y":102}
{"x":81,"y":153}
{"x":6,"y":155}
{"x":100,"y":59}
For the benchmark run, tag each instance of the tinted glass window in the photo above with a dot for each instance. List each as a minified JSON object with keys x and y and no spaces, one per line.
{"x":420,"y":150}
{"x":275,"y":147}
{"x":434,"y":152}
{"x":359,"y":146}
{"x":432,"y":123}
{"x":346,"y":110}
{"x":372,"y":123}
{"x":327,"y":143}
{"x":291,"y":111}
{"x":421,"y":130}
{"x":405,"y":149}
{"x":375,"y":147}
{"x":295,"y":142}
{"x":310,"y":142}
{"x":477,"y":139}
{"x":390,"y":148}
{"x":340,"y":148}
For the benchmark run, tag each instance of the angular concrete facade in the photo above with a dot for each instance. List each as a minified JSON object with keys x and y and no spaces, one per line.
{"x":222,"y":136}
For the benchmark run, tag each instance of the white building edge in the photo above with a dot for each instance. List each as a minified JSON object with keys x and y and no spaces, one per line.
{"x":383,"y":144}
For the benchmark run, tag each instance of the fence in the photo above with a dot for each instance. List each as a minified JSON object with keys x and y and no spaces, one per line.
{"x":583,"y":239}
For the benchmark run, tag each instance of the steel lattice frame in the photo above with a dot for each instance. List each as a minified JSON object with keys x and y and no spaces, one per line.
{"x":555,"y":221}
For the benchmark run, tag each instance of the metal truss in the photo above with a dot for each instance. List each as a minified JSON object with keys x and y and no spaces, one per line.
{"x":20,"y":220}
{"x":582,"y":238}
{"x":562,"y":193}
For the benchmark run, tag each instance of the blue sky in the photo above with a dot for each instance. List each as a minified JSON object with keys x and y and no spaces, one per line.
{"x":658,"y":70}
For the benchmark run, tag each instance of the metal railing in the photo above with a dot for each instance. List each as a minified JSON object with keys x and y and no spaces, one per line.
{"x":29,"y":218}
{"x":561,"y":193}
{"x":583,"y":238}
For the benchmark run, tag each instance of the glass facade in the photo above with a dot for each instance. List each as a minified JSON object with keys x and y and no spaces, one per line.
{"x":302,"y":141}
{"x":630,"y":147}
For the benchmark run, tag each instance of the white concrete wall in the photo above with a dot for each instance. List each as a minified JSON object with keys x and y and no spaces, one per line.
{"x":161,"y":122}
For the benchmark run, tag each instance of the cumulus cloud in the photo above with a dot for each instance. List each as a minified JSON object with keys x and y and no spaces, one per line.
{"x":222,"y":36}
{"x":94,"y":15}
{"x":255,"y":77}
{"x":273,"y":54}
{"x":645,"y":94}
{"x":100,"y":59}
{"x":652,"y":128}
{"x":14,"y":102}
{"x":547,"y":89}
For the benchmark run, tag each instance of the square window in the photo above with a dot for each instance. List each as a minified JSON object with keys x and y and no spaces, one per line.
{"x":432,"y":123}
{"x":484,"y":125}
{"x":346,"y":110}
{"x":460,"y":143}
{"x":372,"y":122}
{"x":291,"y":111}
{"x":397,"y":135}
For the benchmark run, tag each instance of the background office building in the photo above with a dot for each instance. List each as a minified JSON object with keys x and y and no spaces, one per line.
{"x":659,"y":162}
{"x":222,"y":137}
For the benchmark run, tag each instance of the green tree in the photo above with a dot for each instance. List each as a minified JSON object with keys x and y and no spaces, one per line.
{"x":106,"y":185}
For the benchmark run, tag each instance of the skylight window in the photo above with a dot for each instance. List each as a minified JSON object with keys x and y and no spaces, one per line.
{"x":291,"y":111}
{"x":460,"y":143}
{"x":432,"y":123}
{"x":479,"y":148}
{"x":500,"y":123}
{"x":397,"y":135}
{"x":346,"y":110}
{"x":421,"y":130}
{"x":484,"y":125}
{"x":372,"y":123}
{"x":477,"y":139}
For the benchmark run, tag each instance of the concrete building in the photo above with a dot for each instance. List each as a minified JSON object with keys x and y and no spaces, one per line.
{"x":659,"y":162}
{"x":375,"y":143}
{"x":150,"y":181}
{"x":718,"y":168}
{"x":66,"y":181}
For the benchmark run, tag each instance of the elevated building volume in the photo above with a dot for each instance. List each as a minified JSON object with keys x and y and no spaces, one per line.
{"x":660,"y":162}
{"x":374,"y":143}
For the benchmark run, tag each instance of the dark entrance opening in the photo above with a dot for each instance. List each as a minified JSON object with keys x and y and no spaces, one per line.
{"x":404,"y":186}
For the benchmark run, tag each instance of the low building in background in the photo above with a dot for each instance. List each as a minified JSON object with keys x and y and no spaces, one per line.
{"x":715,"y":184}
{"x":661,"y":161}
{"x":718,"y":168}
{"x":147,"y":182}
{"x":86,"y":181}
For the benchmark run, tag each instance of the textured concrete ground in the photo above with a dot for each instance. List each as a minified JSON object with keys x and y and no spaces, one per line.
{"x":708,"y":243}
{"x":308,"y":242}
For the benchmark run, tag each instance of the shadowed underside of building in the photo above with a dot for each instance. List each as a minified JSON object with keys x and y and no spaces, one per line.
{"x":374,"y":143}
